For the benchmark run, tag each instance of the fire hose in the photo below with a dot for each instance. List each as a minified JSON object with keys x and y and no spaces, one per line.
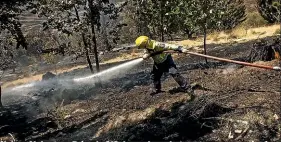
{"x":276,"y":68}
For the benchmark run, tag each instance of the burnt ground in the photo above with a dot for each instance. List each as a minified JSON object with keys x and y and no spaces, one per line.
{"x":235,"y":104}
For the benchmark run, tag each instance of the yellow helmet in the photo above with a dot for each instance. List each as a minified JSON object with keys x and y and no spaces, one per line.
{"x":142,"y":41}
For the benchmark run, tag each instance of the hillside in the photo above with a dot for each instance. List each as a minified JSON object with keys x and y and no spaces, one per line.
{"x":250,"y":5}
{"x":57,"y":98}
{"x":238,"y":103}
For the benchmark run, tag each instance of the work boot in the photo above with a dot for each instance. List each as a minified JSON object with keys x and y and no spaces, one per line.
{"x":155,"y":92}
{"x":188,"y":90}
{"x":180,"y":89}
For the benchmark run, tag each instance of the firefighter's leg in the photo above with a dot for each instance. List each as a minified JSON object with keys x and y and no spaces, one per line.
{"x":155,"y":77}
{"x":182,"y":81}
{"x":173,"y":71}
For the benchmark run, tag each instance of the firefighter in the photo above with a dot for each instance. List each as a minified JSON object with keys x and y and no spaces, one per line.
{"x":163,"y":63}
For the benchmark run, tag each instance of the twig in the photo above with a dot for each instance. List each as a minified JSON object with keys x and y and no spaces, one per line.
{"x":12,"y":137}
{"x":204,"y":124}
{"x":227,"y":119}
{"x":243,"y":133}
{"x":62,"y":103}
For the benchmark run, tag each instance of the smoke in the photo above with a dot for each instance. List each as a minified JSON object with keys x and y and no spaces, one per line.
{"x":66,"y":88}
{"x":229,"y":69}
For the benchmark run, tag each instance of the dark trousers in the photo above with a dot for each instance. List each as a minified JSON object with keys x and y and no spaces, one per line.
{"x":167,"y":66}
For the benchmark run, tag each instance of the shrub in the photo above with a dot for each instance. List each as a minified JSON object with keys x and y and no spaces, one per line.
{"x":254,"y":19}
{"x":269,"y":10}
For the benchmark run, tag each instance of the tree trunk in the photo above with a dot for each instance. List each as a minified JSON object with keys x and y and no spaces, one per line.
{"x":162,"y":21}
{"x":104,"y":33}
{"x":94,"y":35}
{"x":205,"y":49}
{"x":87,"y":53}
{"x":188,"y":33}
{"x":95,"y":48}
{"x":1,"y":105}
{"x":85,"y":44}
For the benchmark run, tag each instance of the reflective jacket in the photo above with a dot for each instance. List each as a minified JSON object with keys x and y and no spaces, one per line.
{"x":155,"y":46}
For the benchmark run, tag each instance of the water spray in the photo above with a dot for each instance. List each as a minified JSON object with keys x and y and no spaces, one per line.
{"x":29,"y":85}
{"x":109,"y":73}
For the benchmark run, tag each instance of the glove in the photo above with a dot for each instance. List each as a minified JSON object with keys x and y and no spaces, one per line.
{"x":182,"y":50}
{"x":145,"y":56}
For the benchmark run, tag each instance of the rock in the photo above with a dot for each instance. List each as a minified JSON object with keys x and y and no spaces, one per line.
{"x":276,"y":117}
{"x":238,"y":131}
{"x":48,"y":75}
{"x":171,"y":137}
{"x":101,"y":53}
{"x":230,"y":135}
{"x":67,"y":116}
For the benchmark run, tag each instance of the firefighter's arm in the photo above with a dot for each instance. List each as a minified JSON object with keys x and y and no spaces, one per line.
{"x":166,"y":46}
{"x":146,"y":55}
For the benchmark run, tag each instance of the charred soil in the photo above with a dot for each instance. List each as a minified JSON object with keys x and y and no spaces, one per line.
{"x":233,"y":103}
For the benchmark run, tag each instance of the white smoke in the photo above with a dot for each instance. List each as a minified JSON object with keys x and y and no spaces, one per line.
{"x":27,"y":91}
{"x":229,"y":69}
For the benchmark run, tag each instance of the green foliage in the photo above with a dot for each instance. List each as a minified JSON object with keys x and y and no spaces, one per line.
{"x":192,"y":16}
{"x":9,"y":10}
{"x":49,"y":58}
{"x":111,"y":25}
{"x":155,"y":18}
{"x":269,"y":10}
{"x":78,"y":17}
{"x":7,"y":54}
{"x":198,"y":15}
{"x":75,"y":16}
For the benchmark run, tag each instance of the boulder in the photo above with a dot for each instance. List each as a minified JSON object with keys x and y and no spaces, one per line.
{"x":48,"y":75}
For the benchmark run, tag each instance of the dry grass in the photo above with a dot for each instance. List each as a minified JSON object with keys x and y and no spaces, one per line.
{"x":59,"y":114}
{"x":254,"y":19}
{"x":277,"y":32}
{"x":215,"y":36}
{"x":124,"y":57}
{"x":266,"y":118}
{"x":238,"y":32}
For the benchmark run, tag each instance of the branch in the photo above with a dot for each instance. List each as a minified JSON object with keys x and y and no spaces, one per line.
{"x":12,"y":137}
{"x":243,"y":133}
{"x":227,"y":119}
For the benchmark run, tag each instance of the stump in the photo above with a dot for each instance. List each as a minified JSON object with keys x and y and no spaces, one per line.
{"x":265,"y":50}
